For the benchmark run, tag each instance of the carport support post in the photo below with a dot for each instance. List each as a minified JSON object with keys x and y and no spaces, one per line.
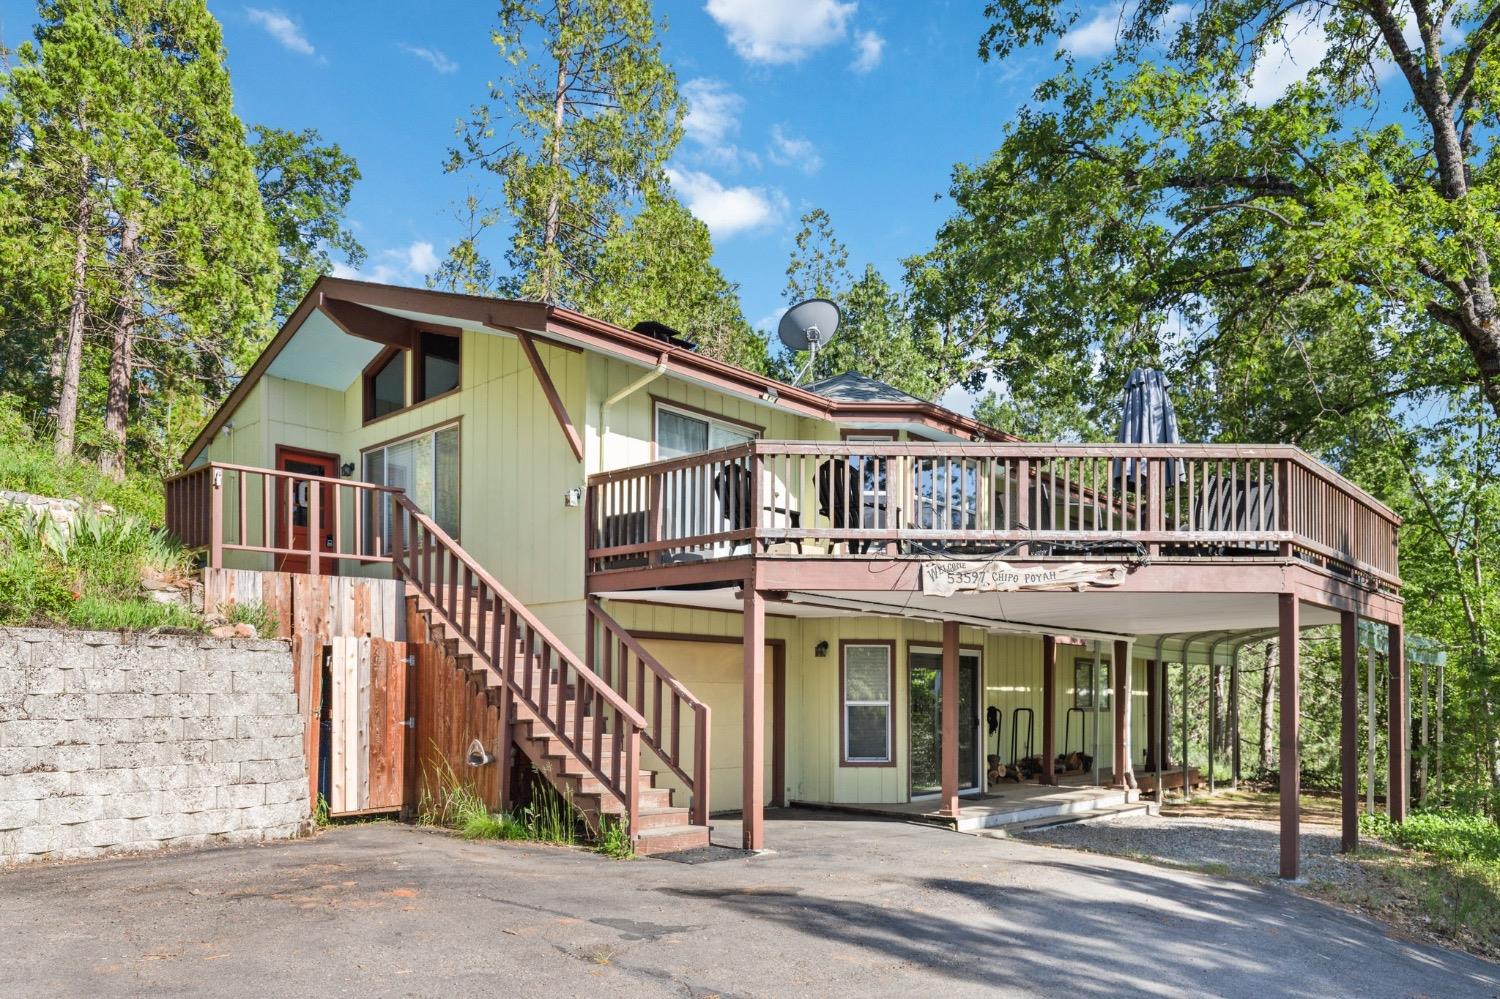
{"x":1124,"y":770}
{"x":752,"y":790}
{"x":1397,"y":712}
{"x":1049,"y":709}
{"x":950,"y":718}
{"x":1290,"y":751}
{"x":1349,"y":728}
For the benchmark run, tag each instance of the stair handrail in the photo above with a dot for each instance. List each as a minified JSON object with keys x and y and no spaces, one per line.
{"x":668,"y":751}
{"x":624,"y":785}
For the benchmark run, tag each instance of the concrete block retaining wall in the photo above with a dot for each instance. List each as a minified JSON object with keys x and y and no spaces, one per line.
{"x":119,"y":743}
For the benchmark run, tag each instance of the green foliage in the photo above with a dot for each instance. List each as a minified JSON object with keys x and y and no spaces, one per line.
{"x":1452,"y":835}
{"x":878,"y":336}
{"x":27,"y":465}
{"x":577,"y":126}
{"x":87,"y":579}
{"x":614,"y":840}
{"x":453,"y":803}
{"x":255,"y":614}
{"x":321,"y":813}
{"x":659,"y":266}
{"x":305,"y":187}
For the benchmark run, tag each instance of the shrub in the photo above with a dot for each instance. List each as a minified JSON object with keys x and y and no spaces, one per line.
{"x":1452,"y":835}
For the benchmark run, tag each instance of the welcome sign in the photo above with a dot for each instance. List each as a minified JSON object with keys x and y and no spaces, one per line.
{"x":945,"y":578}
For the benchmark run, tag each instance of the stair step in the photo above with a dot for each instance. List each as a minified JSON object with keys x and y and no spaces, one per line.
{"x":661,"y":818}
{"x":671,"y":839}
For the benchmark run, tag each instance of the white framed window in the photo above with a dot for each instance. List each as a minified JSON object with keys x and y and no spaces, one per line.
{"x":680,"y":432}
{"x":867,"y":682}
{"x":426,"y":466}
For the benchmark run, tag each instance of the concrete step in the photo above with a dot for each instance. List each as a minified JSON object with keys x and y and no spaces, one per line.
{"x":1103,"y":814}
{"x":671,"y":839}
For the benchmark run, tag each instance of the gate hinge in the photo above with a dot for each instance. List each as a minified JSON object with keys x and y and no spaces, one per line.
{"x":411,"y":660}
{"x":410,"y":723}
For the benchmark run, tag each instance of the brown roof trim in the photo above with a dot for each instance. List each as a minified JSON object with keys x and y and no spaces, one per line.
{"x":587,"y":332}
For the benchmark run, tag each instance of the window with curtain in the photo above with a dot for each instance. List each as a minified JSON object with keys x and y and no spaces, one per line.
{"x":426,"y":467}
{"x":867,"y":703}
{"x":679,"y":433}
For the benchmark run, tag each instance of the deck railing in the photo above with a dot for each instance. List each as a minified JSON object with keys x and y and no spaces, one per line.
{"x":598,"y":725}
{"x":638,"y":677}
{"x":292,"y":517}
{"x":1036,"y":501}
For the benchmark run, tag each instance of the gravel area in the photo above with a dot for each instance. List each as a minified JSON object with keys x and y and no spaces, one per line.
{"x":1238,"y":847}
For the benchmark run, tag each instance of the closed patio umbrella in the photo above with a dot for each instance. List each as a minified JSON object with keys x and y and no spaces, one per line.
{"x":1147,"y":417}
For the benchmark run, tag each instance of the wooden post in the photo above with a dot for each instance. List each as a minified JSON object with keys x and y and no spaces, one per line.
{"x":1371,"y":737}
{"x":1234,"y":716}
{"x":314,"y":526}
{"x":1124,"y":770}
{"x":1049,"y":709}
{"x":1290,"y":750}
{"x":1349,"y":728}
{"x":1397,"y":709}
{"x":950,"y":718}
{"x":1153,"y":715}
{"x":216,"y":520}
{"x":507,"y":734}
{"x":752,"y":790}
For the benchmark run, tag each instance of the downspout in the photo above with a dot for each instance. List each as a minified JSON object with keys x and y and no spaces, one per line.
{"x":631,"y":389}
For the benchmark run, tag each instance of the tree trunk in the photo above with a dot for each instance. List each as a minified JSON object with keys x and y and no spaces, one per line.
{"x":121,"y":359}
{"x":68,"y":362}
{"x":550,"y":252}
{"x":1267,"y":696}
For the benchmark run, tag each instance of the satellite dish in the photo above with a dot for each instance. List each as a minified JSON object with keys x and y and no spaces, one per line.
{"x":807,"y":326}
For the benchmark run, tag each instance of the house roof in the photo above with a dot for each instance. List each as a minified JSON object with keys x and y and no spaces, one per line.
{"x":851,"y":386}
{"x":378,"y":315}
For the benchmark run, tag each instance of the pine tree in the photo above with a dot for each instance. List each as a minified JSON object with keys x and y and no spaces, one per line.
{"x":660,"y":267}
{"x":579,"y":126}
{"x":121,"y":118}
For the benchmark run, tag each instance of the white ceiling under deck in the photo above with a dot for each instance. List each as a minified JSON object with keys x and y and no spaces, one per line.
{"x":1091,"y":614}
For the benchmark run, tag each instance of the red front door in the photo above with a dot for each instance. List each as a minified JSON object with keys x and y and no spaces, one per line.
{"x":297,"y":518}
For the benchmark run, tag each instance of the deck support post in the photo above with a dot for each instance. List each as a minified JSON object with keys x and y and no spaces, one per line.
{"x":1049,"y":710}
{"x":1397,"y":711}
{"x":1234,"y":718}
{"x":503,"y":752}
{"x":950,"y":719}
{"x":1349,"y":729}
{"x":752,"y":790}
{"x":1153,"y":715}
{"x":1290,"y":763}
{"x":1124,"y":770}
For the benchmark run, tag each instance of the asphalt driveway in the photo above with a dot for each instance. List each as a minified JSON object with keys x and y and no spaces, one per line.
{"x":847,"y":907}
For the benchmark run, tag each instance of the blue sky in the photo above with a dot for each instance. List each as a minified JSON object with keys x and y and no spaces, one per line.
{"x":861,"y":108}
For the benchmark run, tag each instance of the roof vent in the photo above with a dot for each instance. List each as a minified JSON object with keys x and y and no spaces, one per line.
{"x":664,"y":333}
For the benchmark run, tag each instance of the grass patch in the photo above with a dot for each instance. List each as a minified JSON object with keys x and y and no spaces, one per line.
{"x":257,"y":615}
{"x":549,"y":817}
{"x":89,"y":577}
{"x":1444,"y":882}
{"x":614,"y":841}
{"x":27,"y":465}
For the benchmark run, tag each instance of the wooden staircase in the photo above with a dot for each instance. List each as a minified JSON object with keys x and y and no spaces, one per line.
{"x":579,"y":729}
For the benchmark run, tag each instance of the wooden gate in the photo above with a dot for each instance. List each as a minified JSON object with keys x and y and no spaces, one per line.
{"x":369,"y":732}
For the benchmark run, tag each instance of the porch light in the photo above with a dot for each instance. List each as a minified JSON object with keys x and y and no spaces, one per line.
{"x":821,"y":650}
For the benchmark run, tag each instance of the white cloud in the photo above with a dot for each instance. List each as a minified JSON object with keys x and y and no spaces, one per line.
{"x":781,"y":31}
{"x":282,"y":28}
{"x":713,"y":115}
{"x":868,"y":47}
{"x":1303,"y":45}
{"x":787,"y":150}
{"x":726,"y":210}
{"x":1095,"y":37}
{"x":398,"y":265}
{"x":436,"y":58}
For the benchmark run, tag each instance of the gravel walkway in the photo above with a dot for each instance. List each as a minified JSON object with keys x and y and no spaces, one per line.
{"x":1239,"y":847}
